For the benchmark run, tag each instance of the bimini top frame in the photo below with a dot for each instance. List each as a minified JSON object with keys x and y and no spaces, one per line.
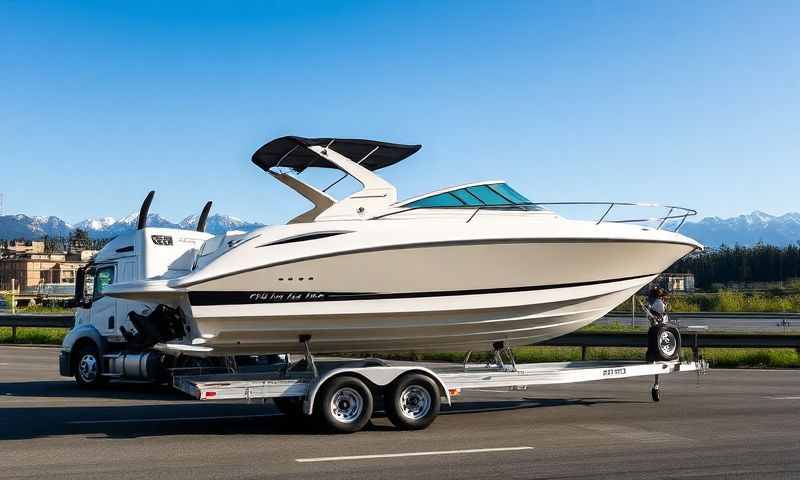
{"x":370,"y":154}
{"x":356,"y":158}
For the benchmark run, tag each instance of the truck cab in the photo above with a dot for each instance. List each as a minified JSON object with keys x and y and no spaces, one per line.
{"x":105,"y":340}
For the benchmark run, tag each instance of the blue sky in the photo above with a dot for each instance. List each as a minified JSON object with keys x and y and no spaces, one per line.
{"x":693,"y":103}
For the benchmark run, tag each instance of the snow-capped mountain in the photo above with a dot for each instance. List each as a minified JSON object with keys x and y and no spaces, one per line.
{"x":746,"y":230}
{"x":29,"y":228}
{"x":23,"y":226}
{"x":91,"y":224}
{"x":218,"y":224}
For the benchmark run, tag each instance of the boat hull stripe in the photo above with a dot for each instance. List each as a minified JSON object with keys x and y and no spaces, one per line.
{"x":211,"y":298}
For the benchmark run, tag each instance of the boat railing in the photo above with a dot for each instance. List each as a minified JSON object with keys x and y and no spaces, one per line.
{"x":673,"y":213}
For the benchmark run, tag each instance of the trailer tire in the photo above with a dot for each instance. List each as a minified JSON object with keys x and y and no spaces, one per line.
{"x":88,"y":367}
{"x":412,"y":402}
{"x":664,"y":343}
{"x":344,"y":405}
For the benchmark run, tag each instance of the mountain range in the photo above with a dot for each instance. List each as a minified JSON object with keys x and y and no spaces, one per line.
{"x":744,"y":230}
{"x":28,"y":228}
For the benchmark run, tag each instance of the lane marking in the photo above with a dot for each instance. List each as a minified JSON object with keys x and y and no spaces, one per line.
{"x":4,"y":364}
{"x":411,"y":454}
{"x":784,"y":398}
{"x":172,"y":419}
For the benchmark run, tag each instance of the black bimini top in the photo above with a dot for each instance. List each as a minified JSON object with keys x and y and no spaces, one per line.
{"x":275,"y":152}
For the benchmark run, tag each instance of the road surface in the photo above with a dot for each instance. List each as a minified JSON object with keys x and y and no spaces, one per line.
{"x":734,"y":424}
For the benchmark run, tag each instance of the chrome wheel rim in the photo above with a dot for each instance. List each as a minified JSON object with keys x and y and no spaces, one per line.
{"x":667,"y":343}
{"x":415,"y":402}
{"x":87,"y":368}
{"x":346,"y":405}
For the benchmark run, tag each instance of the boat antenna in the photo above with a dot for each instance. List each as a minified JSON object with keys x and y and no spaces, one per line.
{"x":201,"y":222}
{"x":145,"y":209}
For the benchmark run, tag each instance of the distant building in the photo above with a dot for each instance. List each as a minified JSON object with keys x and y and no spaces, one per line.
{"x":29,"y":270}
{"x":22,"y":247}
{"x":677,"y":282}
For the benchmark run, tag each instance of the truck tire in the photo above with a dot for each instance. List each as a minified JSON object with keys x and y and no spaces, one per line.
{"x":412,"y":402}
{"x":344,"y":405}
{"x":89,"y":367}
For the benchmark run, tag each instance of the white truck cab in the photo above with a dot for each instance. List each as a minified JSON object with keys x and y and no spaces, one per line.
{"x":105,"y":342}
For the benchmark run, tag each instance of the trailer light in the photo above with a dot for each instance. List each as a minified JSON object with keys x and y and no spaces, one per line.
{"x":454,"y":392}
{"x":211,"y":394}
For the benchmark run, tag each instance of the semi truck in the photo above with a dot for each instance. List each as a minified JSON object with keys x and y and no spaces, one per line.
{"x":119,"y":339}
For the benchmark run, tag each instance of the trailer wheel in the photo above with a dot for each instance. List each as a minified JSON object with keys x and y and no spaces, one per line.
{"x":664,"y":343}
{"x":412,"y":402}
{"x":88,"y":367}
{"x":344,"y":405}
{"x":655,"y":393}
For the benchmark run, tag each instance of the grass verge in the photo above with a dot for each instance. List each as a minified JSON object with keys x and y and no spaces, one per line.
{"x":36,"y":335}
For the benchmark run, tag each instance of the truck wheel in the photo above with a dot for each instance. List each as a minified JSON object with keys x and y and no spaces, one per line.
{"x":665,"y":343}
{"x":344,"y":405}
{"x":412,"y":403}
{"x":88,"y":367}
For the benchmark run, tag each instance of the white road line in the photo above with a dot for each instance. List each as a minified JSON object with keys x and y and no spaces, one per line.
{"x":170,"y":419}
{"x":411,"y":454}
{"x":4,"y":364}
{"x":784,"y":398}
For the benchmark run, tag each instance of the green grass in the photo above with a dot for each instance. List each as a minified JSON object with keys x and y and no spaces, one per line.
{"x":36,"y":335}
{"x":44,"y":309}
{"x":728,"y":302}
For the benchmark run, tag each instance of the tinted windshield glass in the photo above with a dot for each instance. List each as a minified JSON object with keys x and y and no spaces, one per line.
{"x":509,"y":193}
{"x":441,"y":200}
{"x":492,"y":195}
{"x":487,"y":195}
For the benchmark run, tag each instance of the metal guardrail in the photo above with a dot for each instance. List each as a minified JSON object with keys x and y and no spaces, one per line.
{"x":575,"y":339}
{"x":42,"y":320}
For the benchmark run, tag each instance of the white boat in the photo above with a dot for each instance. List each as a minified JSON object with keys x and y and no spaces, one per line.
{"x":461,"y":268}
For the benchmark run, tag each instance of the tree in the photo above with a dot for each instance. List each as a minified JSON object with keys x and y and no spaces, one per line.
{"x":79,"y":240}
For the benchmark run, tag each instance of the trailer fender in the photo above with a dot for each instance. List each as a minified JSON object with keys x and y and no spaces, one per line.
{"x":376,"y":376}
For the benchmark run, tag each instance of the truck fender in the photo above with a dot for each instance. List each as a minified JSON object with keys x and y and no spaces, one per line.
{"x":76,"y":335}
{"x":376,"y":376}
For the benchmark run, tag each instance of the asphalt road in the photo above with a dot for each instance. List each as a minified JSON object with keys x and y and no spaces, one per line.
{"x":734,"y":424}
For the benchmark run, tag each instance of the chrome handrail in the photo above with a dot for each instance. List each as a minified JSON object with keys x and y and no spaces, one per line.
{"x":683,"y":215}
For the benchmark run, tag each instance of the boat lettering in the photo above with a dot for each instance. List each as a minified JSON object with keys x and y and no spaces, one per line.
{"x":280,"y":297}
{"x":610,"y":372}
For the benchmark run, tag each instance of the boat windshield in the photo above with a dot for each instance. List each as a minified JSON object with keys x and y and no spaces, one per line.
{"x":486,"y":195}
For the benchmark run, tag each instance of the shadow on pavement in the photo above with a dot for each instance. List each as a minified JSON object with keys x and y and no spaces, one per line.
{"x":50,"y":408}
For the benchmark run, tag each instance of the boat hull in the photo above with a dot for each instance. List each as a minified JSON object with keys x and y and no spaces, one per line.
{"x":519,"y":293}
